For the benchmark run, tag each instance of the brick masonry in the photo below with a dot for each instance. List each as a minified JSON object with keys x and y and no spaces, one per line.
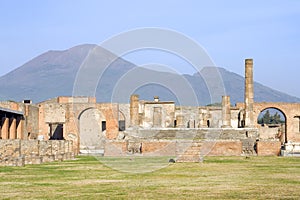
{"x":268,"y":148}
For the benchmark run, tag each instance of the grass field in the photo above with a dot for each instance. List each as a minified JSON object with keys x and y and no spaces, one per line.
{"x":215,"y":178}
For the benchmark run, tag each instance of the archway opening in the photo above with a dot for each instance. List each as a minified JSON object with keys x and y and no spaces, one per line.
{"x":122,"y":122}
{"x":92,"y":126}
{"x":272,"y":123}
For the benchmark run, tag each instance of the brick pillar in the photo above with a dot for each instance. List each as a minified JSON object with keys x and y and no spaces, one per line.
{"x":249,"y":93}
{"x":20,"y":129}
{"x":5,"y":128}
{"x":134,"y":110}
{"x":180,"y":121}
{"x":226,"y":115}
{"x":13,"y":128}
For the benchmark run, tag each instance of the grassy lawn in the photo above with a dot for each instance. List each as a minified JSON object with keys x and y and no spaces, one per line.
{"x":215,"y":178}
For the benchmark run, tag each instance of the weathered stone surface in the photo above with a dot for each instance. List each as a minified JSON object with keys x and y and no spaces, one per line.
{"x":223,"y":148}
{"x":21,"y":152}
{"x":249,"y":93}
{"x":159,"y":148}
{"x":268,"y":148}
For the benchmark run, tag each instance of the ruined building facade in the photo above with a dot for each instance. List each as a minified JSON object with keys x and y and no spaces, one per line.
{"x":152,"y":127}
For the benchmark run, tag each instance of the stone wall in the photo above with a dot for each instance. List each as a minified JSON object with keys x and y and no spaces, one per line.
{"x":31,"y":122}
{"x":174,"y":141}
{"x":21,"y":152}
{"x":268,"y":148}
{"x":183,"y":150}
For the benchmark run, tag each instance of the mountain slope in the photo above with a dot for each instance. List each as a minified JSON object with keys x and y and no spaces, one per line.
{"x":51,"y":74}
{"x":55,"y":72}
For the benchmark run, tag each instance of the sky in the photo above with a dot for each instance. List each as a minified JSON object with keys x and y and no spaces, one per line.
{"x":230,"y":31}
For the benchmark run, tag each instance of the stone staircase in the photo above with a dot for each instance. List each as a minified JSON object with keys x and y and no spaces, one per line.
{"x":188,"y":151}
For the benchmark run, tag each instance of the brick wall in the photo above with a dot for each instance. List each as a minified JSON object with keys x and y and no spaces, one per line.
{"x":268,"y":148}
{"x":222,"y":148}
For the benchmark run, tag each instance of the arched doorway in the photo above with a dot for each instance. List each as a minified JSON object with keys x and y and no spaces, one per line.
{"x":272,"y":124}
{"x":122,"y":122}
{"x":241,"y":119}
{"x":92,"y":131}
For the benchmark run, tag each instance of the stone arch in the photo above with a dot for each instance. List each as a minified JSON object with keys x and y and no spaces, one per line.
{"x":281,"y":133}
{"x":91,"y":134}
{"x":273,"y":107}
{"x":122,"y":121}
{"x":290,"y":110}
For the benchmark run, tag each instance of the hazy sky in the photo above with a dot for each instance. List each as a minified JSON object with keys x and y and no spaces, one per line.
{"x":267,"y":31}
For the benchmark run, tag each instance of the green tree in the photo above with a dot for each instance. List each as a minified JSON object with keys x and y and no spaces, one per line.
{"x":277,"y":118}
{"x":266,"y":117}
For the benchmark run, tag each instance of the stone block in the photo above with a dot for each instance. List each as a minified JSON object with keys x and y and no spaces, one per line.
{"x":268,"y":148}
{"x":11,"y":148}
{"x":45,"y":148}
{"x":55,"y":147}
{"x":33,"y":160}
{"x":29,"y":147}
{"x":48,"y":158}
{"x":59,"y":157}
{"x":61,"y":146}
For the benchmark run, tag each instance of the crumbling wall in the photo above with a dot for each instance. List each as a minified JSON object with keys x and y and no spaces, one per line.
{"x":190,"y":116}
{"x":31,"y":122}
{"x":111,"y":113}
{"x":125,"y":110}
{"x":21,"y":152}
{"x":157,"y":114}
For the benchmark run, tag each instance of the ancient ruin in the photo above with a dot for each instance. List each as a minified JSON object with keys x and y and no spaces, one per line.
{"x":62,"y":127}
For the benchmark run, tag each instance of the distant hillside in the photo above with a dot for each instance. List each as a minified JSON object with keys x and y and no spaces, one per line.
{"x":53,"y":74}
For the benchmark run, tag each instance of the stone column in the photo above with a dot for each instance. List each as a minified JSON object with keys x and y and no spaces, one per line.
{"x":5,"y":128}
{"x":180,"y":121}
{"x":13,"y":128}
{"x":226,"y":115}
{"x":249,"y":93}
{"x":134,"y":110}
{"x":20,"y":130}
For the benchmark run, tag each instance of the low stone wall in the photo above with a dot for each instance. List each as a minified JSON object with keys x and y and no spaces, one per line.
{"x":268,"y":148}
{"x":194,"y":134}
{"x":21,"y":152}
{"x":176,"y":148}
{"x":223,"y":148}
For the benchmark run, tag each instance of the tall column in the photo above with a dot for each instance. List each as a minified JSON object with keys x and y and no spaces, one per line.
{"x":249,"y":93}
{"x":5,"y":128}
{"x":134,"y":110}
{"x":226,"y":115}
{"x":13,"y":128}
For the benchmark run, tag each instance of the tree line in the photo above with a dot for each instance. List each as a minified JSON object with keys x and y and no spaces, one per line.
{"x":268,"y":118}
